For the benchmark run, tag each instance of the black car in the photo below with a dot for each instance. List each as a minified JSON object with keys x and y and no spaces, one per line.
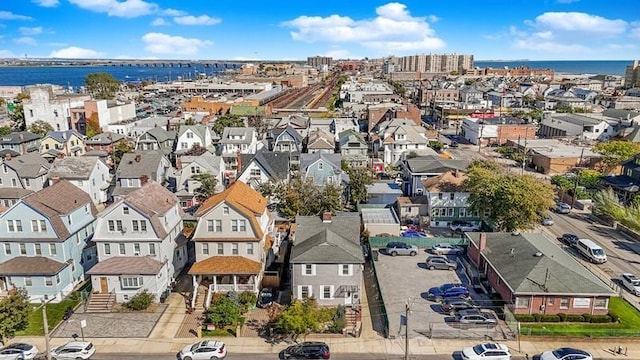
{"x":454,"y":144}
{"x":307,"y":350}
{"x":569,"y":239}
{"x":265,"y":297}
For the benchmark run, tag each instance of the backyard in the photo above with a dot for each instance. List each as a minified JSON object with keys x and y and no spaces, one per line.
{"x":55,"y":312}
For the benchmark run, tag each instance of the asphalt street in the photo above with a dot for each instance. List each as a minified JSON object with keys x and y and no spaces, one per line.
{"x":455,"y":356}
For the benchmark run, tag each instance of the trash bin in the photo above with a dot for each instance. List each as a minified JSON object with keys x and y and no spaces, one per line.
{"x":375,"y":254}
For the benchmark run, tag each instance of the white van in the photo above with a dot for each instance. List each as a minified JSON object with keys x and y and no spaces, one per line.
{"x":592,"y":251}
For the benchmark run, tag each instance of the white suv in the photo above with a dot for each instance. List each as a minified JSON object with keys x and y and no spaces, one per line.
{"x":463,"y":226}
{"x":492,"y":351}
{"x":631,"y":282}
{"x":74,"y":350}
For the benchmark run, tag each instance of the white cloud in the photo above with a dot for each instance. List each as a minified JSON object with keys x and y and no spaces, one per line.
{"x":28,"y":31}
{"x":159,"y":43}
{"x":159,"y":22}
{"x":196,"y":20}
{"x":550,"y":46}
{"x":635,"y":32}
{"x":8,"y":15}
{"x":622,"y":46}
{"x":544,"y":35}
{"x":46,"y":3}
{"x":173,"y":12}
{"x":394,"y":27}
{"x":74,"y":52}
{"x":580,"y":23}
{"x":7,"y":54}
{"x":26,"y":40}
{"x":126,"y":8}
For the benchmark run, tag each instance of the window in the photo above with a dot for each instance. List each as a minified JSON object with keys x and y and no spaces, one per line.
{"x":119,"y":225}
{"x":136,"y":248}
{"x":28,"y":281}
{"x":205,"y":249}
{"x":452,"y":196}
{"x":304,"y":291}
{"x":550,"y":301}
{"x":522,"y":302}
{"x":7,"y":249}
{"x":234,"y":225}
{"x":234,"y":248}
{"x":225,"y":210}
{"x":14,"y":182}
{"x":112,"y":226}
{"x":143,"y":225}
{"x":345,"y":270}
{"x":439,"y":196}
{"x":134,"y":226}
{"x":243,"y":225}
{"x":23,"y":249}
{"x":122,"y":249}
{"x":308,"y":269}
{"x":210,"y":226}
{"x":131,"y":282}
{"x":249,"y":248}
{"x":43,"y":226}
{"x":34,"y":226}
{"x":220,"y":249}
{"x":125,"y":210}
{"x":326,"y":292}
{"x":255,"y":172}
{"x":57,"y":278}
{"x":48,"y":281}
{"x":564,"y":303}
{"x":52,"y":249}
{"x":184,"y":145}
{"x":601,"y":303}
{"x":37,"y":249}
{"x":107,"y":249}
{"x":27,"y":182}
{"x":462,"y":212}
{"x":152,"y":249}
{"x":14,"y":225}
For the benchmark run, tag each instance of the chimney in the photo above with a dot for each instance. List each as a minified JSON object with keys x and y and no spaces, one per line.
{"x":21,"y":136}
{"x":55,"y":179}
{"x":239,"y":161}
{"x":144,"y":179}
{"x":326,"y":217}
{"x":7,"y":157}
{"x":138,"y":158}
{"x":482,"y":244}
{"x":456,"y":173}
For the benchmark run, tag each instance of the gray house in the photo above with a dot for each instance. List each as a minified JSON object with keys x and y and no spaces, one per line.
{"x":19,"y":143}
{"x":327,"y":260}
{"x":28,"y":171}
{"x":157,"y":139}
{"x":136,"y":169}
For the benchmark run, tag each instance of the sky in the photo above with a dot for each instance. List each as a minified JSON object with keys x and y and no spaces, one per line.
{"x":293,"y":30}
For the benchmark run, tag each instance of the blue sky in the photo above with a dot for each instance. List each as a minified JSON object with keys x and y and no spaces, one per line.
{"x":278,"y":30}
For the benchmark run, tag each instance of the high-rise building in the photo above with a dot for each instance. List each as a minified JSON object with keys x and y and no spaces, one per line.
{"x":318,"y":61}
{"x":436,"y":63}
{"x":632,"y":75}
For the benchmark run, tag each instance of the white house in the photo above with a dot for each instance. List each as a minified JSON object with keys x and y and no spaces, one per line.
{"x":192,"y":135}
{"x":88,"y":173}
{"x":577,"y":125}
{"x":44,"y":105}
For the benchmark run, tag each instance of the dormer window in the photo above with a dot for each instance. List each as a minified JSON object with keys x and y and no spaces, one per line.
{"x":320,"y":165}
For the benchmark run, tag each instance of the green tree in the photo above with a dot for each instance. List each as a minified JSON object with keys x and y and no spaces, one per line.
{"x":224,"y":311}
{"x":302,"y":197}
{"x":299,"y":318}
{"x":14,"y":313}
{"x":5,"y":130}
{"x":40,"y":127}
{"x":359,"y":178}
{"x":435,"y":145}
{"x":607,"y":204}
{"x":615,"y":152}
{"x":589,"y":178}
{"x":208,"y":184}
{"x":17,"y":118}
{"x":329,"y":199}
{"x":562,"y":184}
{"x":225,"y":121}
{"x":102,"y":86}
{"x":190,"y":121}
{"x":120,"y":149}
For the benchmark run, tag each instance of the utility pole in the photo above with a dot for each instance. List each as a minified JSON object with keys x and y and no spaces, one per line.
{"x":46,"y":327}
{"x":407,"y":310}
{"x":575,"y":186}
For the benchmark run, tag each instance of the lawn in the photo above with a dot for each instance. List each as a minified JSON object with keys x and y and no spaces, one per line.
{"x":55,"y":311}
{"x":629,"y":324}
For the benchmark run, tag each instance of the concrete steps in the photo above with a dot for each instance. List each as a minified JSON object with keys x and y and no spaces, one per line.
{"x":100,"y":302}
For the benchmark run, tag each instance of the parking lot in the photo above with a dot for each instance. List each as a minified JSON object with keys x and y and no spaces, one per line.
{"x":406,"y":280}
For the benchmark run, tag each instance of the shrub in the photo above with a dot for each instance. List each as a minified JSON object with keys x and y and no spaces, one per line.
{"x":140,"y":301}
{"x":248,"y":298}
{"x":587,"y":317}
{"x":550,"y":318}
{"x":575,"y":318}
{"x":614,"y":318}
{"x":224,"y":312}
{"x":537,"y":317}
{"x":600,"y":319}
{"x":525,"y":317}
{"x":562,"y":316}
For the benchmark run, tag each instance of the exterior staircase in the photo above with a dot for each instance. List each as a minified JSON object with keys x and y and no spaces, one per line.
{"x":100,"y":302}
{"x":200,"y":298}
{"x":353,"y":318}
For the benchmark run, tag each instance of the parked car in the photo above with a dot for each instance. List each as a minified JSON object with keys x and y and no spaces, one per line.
{"x":569,"y":239}
{"x":207,"y":349}
{"x":395,"y":248}
{"x":565,"y":353}
{"x":307,"y":350}
{"x":463,"y":226}
{"x":547,"y":220}
{"x":440,"y":263}
{"x":475,"y":317}
{"x":18,"y":351}
{"x":563,"y":208}
{"x":265,"y":297}
{"x":448,"y":290}
{"x":451,"y":305}
{"x":453,"y":144}
{"x":74,"y":350}
{"x":446,"y":249}
{"x":492,"y":351}
{"x":631,"y":282}
{"x":413,"y":234}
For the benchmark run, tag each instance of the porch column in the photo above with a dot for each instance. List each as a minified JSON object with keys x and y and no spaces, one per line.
{"x":215,"y":283}
{"x":235,"y":283}
{"x":255,"y":283}
{"x":195,"y":281}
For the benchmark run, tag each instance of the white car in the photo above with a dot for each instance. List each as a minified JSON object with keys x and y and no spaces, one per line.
{"x":564,"y":353}
{"x":207,"y":349}
{"x":492,"y":351}
{"x":631,"y":282}
{"x":446,"y":249}
{"x":464,"y":226}
{"x":18,"y":351}
{"x":74,"y":350}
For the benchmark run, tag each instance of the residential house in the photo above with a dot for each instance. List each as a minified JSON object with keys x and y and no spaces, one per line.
{"x":45,"y":239}
{"x":354,"y":148}
{"x":417,"y":169}
{"x":343,"y":124}
{"x":323,"y":169}
{"x":504,"y":99}
{"x":157,"y":138}
{"x":44,"y":105}
{"x":19,"y":143}
{"x":448,"y":201}
{"x":62,"y":143}
{"x":193,"y":135}
{"x":285,"y":140}
{"x":627,"y":184}
{"x":413,"y":209}
{"x":577,"y":126}
{"x":298,"y":122}
{"x":233,"y":242}
{"x":234,"y":141}
{"x":401,"y":137}
{"x":28,"y":171}
{"x":140,"y":244}
{"x":533,"y":275}
{"x":327,"y":260}
{"x":554,"y":156}
{"x":320,"y":141}
{"x":88,"y":173}
{"x":264,"y":167}
{"x":383,"y":193}
{"x":324,"y":124}
{"x":104,"y":145}
{"x":10,"y":196}
{"x":380,"y":221}
{"x":497,"y":130}
{"x":190,"y":166}
{"x":138,"y":168}
{"x":471,"y":95}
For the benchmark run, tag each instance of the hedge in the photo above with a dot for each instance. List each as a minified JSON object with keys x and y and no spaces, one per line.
{"x":552,"y":318}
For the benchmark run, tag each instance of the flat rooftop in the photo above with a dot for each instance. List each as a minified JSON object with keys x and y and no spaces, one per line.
{"x":379,"y":216}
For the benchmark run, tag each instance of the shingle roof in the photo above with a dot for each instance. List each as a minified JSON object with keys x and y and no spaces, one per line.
{"x":105,"y":138}
{"x":435,"y":164}
{"x":63,"y":136}
{"x":31,"y":265}
{"x":450,"y":181}
{"x":275,"y":164}
{"x":554,"y":272}
{"x":154,"y":201}
{"x":331,"y":159}
{"x":161,"y":134}
{"x":197,"y":129}
{"x":321,"y":139}
{"x":237,"y":131}
{"x":332,"y":242}
{"x":14,"y":192}
{"x":147,"y":165}
{"x":58,"y":200}
{"x":29,"y":165}
{"x":18,"y":137}
{"x":225,"y":265}
{"x":73,"y":167}
{"x":127,"y":265}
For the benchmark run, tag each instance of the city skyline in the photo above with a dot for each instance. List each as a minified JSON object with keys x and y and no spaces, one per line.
{"x":489,"y":30}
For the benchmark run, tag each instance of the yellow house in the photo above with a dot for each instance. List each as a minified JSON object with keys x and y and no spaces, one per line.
{"x":62,"y":143}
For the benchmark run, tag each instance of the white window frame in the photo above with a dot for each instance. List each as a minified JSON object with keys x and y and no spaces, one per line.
{"x":220,"y":248}
{"x":135,"y":227}
{"x":323,"y":288}
{"x":107,"y":249}
{"x":53,"y":250}
{"x":596,"y":302}
{"x":309,"y":289}
{"x":122,"y":249}
{"x":308,"y":269}
{"x":341,"y":268}
{"x":28,"y":281}
{"x":48,"y":281}
{"x":7,"y":248}
{"x":23,"y":249}
{"x":249,"y":248}
{"x":235,"y":249}
{"x":523,"y":302}
{"x":131,"y":282}
{"x":205,"y":248}
{"x":152,"y":249}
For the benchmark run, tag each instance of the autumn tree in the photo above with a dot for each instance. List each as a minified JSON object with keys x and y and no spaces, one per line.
{"x":615,"y":152}
{"x":14,"y":313}
{"x":93,"y":126}
{"x":196,"y":150}
{"x":302,"y":197}
{"x":225,"y":121}
{"x":299,"y":318}
{"x":359,"y":178}
{"x":208,"y":184}
{"x":102,"y":86}
{"x":40,"y":127}
{"x":17,"y":118}
{"x":120,"y":149}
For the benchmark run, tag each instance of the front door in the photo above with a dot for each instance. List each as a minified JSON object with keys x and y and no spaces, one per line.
{"x":348,"y":300}
{"x":104,"y":287}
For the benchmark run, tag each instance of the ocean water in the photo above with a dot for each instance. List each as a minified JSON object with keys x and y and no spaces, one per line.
{"x":596,"y":67}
